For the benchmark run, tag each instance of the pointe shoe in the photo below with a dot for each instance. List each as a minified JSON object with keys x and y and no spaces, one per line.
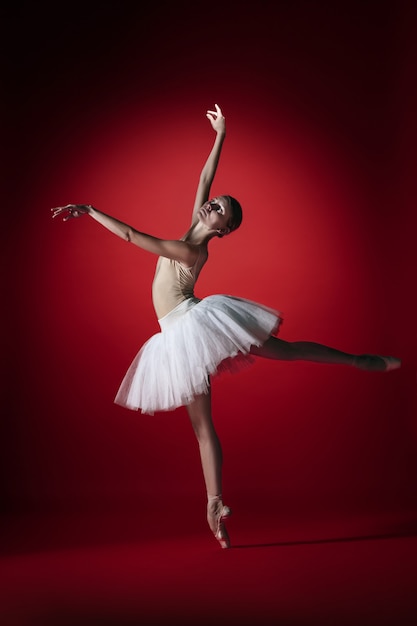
{"x":391,"y":363}
{"x":217,"y":512}
{"x":373,"y":363}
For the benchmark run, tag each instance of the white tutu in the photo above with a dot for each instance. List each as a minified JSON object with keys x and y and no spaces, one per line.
{"x":198,"y":338}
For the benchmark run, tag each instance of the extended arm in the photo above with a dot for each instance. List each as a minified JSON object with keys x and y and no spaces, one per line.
{"x":172,"y":249}
{"x":207,"y":173}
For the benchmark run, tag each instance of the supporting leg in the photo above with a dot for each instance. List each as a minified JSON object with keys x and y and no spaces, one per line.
{"x":212,"y":461}
{"x":210,"y":449}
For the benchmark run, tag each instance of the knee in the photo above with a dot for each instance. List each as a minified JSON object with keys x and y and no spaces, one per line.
{"x":203,"y":428}
{"x":199,"y":412}
{"x":291,"y":352}
{"x":203,"y":432}
{"x":198,"y":430}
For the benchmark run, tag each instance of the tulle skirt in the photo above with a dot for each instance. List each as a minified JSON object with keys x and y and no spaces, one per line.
{"x":198,"y":339}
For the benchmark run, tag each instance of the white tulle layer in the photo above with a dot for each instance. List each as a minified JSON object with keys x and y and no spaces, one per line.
{"x":199,"y":338}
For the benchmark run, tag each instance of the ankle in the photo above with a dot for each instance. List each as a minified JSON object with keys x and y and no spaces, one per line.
{"x":216,"y":498}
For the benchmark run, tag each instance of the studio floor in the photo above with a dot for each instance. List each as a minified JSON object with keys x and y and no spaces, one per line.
{"x":164,"y":567}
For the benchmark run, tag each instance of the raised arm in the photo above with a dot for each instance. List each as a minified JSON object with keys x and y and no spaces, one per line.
{"x":207,"y":173}
{"x":172,"y":249}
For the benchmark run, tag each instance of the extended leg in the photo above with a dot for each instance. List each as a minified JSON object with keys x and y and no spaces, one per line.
{"x":211,"y":460}
{"x":279,"y":349}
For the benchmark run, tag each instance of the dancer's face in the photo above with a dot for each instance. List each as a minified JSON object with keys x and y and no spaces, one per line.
{"x":216,"y":214}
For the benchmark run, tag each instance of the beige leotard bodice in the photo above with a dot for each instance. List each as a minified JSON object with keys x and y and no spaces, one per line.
{"x":173,"y":283}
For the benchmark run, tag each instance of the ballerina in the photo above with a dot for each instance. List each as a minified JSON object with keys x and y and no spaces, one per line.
{"x":201,"y":337}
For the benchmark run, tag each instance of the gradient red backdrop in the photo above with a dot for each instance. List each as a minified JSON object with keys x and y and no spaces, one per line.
{"x":109,"y":109}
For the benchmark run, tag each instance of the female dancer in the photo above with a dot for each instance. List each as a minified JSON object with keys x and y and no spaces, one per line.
{"x":199,"y":338}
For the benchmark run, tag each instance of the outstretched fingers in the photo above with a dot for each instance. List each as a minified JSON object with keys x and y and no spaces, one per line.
{"x":212,"y":115}
{"x":217,"y":119}
{"x":71,"y":210}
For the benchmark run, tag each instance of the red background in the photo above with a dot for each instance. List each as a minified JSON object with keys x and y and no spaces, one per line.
{"x":108,"y":107}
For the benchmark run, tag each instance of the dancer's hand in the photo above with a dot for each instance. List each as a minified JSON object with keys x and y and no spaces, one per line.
{"x":217,"y":119}
{"x":71,"y":210}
